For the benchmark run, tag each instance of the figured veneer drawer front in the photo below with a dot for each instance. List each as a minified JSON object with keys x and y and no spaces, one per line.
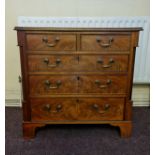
{"x":51,"y":42}
{"x":46,"y":85}
{"x":77,"y":76}
{"x":105,"y":42}
{"x":102,"y":84}
{"x":78,"y":63}
{"x":62,"y":109}
{"x":103,"y":63}
{"x":52,"y":63}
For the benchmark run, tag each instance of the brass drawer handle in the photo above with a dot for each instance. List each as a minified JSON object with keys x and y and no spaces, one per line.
{"x":106,"y":107}
{"x":58,"y":107}
{"x":111,"y":61}
{"x":57,"y":62}
{"x":98,"y":39}
{"x":48,"y":108}
{"x":97,"y":82}
{"x":107,"y":66}
{"x":49,"y":85}
{"x":56,"y":40}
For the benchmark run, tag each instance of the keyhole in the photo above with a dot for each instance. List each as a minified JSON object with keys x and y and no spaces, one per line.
{"x":78,"y":58}
{"x":78,"y":78}
{"x":77,"y":100}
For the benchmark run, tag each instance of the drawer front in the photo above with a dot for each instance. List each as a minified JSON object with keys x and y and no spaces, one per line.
{"x":101,"y":108}
{"x":53,"y":109}
{"x":105,"y":42}
{"x":51,"y":42}
{"x":48,"y":85}
{"x":62,"y":109}
{"x":78,"y":63}
{"x":102,"y":84}
{"x":103,"y":63}
{"x":52,"y":63}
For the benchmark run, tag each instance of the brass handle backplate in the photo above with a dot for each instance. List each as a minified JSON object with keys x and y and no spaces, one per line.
{"x":98,"y":83}
{"x":49,"y":85}
{"x":47,"y":62}
{"x":99,"y":40}
{"x":105,"y":108}
{"x":48,"y":108}
{"x":45,"y":40}
{"x":111,"y":61}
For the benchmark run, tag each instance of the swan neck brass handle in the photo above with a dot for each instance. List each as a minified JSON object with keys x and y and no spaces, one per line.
{"x":107,"y":66}
{"x":49,"y":85}
{"x":48,"y":108}
{"x":105,"y":108}
{"x":110,"y":40}
{"x":47,"y":62}
{"x":111,"y":61}
{"x":58,"y":107}
{"x":45,"y":40}
{"x":108,"y":82}
{"x":95,"y":106}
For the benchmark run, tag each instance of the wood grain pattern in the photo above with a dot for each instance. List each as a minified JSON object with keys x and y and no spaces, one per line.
{"x":78,"y":84}
{"x":88,"y":84}
{"x":69,"y":85}
{"x":119,"y":42}
{"x":101,"y":108}
{"x":77,"y":109}
{"x":77,"y":76}
{"x":103,"y":63}
{"x":83,"y":29}
{"x":78,"y":63}
{"x":30,"y":128}
{"x":35,"y":42}
{"x":125,"y":128}
{"x":37,"y":63}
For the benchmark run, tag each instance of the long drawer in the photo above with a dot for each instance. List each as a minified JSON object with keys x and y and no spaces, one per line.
{"x":78,"y":63}
{"x":70,"y":84}
{"x":62,"y":109}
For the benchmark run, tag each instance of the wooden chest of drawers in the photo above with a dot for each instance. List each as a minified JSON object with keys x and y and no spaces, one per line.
{"x":77,"y":76}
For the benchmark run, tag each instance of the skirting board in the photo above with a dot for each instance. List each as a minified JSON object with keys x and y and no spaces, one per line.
{"x":13,"y":103}
{"x":140,"y":97}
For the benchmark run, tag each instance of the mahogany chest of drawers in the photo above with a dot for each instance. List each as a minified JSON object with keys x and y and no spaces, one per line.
{"x":77,"y":76}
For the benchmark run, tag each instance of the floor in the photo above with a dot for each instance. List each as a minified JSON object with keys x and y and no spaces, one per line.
{"x":78,"y":139}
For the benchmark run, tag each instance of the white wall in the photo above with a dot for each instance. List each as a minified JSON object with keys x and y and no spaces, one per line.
{"x":57,"y":8}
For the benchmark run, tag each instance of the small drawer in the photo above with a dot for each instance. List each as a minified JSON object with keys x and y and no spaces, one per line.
{"x":51,"y":42}
{"x":105,"y":42}
{"x":52,"y":63}
{"x":82,"y":109}
{"x":111,"y":84}
{"x":49,"y":85}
